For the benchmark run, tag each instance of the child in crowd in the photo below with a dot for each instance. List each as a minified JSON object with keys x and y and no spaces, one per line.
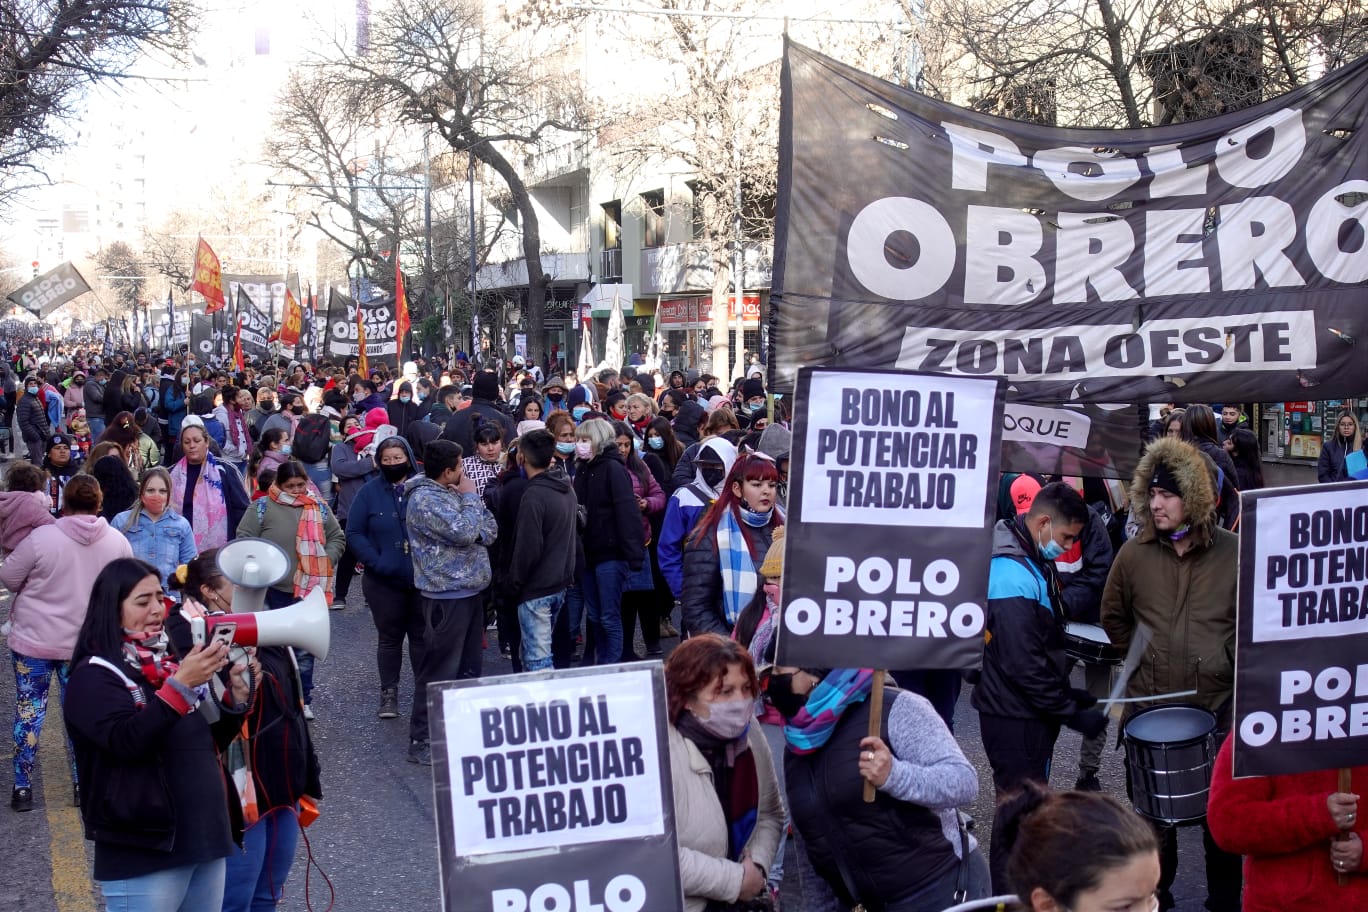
{"x":488,"y":459}
{"x":24,"y":505}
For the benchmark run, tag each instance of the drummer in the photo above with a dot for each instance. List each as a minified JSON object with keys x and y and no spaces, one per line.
{"x":1023,"y":695}
{"x":1176,"y":578}
{"x":1082,"y":572}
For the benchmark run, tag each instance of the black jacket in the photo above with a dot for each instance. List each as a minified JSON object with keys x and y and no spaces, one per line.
{"x":153,"y":793}
{"x":1025,"y":669}
{"x":1081,"y":582}
{"x":284,"y":764}
{"x":1228,"y":497}
{"x":31,"y":415}
{"x":701,"y":598}
{"x":613,"y":529}
{"x":545,"y":541}
{"x":461,"y":426}
{"x":92,"y":397}
{"x":889,"y":849}
{"x":1332,"y":463}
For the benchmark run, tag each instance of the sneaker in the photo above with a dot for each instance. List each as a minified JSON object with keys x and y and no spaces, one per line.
{"x":308,"y":713}
{"x":667,"y":629}
{"x":389,"y":703}
{"x":1088,"y":783}
{"x":654,"y":652}
{"x":420,"y":752}
{"x":22,"y":799}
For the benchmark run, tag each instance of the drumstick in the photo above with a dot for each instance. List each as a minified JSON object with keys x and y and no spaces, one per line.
{"x":1156,"y":697}
{"x":1139,"y":640}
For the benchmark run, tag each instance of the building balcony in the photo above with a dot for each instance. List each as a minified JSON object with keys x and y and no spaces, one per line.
{"x":559,"y":267}
{"x":682,"y":268}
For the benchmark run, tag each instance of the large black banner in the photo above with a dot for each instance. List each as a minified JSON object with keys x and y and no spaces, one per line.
{"x":202,"y":342}
{"x":1301,"y":685}
{"x":1214,"y":260}
{"x":553,"y":792}
{"x":891,"y":507}
{"x":256,"y":326}
{"x":382,"y":330}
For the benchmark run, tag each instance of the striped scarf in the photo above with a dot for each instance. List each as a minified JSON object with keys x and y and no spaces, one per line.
{"x":312,"y":566}
{"x":739,"y":579}
{"x":833,"y":695}
{"x":150,"y":655}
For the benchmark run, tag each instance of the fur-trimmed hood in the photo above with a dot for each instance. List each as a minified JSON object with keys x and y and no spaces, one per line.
{"x":1196,"y":477}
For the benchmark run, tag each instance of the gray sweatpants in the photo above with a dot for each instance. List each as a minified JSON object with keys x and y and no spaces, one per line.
{"x":1098,"y":681}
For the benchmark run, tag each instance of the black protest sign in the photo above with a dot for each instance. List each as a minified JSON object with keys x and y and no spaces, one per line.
{"x":891,"y":489}
{"x":382,"y":330}
{"x":1301,"y":685}
{"x":1209,"y":260}
{"x":202,"y":338}
{"x":256,"y":327}
{"x":571,"y":768}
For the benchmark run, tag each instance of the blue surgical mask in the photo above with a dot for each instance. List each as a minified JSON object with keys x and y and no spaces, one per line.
{"x":636,"y":442}
{"x":752,"y":518}
{"x":405,"y":399}
{"x":656,"y":443}
{"x":756,"y":407}
{"x":565,"y":449}
{"x":1050,"y":549}
{"x":31,"y":390}
{"x":285,"y":450}
{"x":579,"y":412}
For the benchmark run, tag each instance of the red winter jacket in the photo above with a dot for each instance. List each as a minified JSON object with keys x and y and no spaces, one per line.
{"x":1283,"y":828}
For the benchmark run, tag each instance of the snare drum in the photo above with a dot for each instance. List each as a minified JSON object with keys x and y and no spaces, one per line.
{"x":1170,"y":753}
{"x":1089,"y":643}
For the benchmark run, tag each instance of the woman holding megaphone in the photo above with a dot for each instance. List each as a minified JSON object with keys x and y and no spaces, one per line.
{"x":154,"y":798}
{"x":272,"y":763}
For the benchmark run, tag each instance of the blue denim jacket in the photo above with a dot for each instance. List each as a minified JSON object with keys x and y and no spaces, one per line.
{"x":165,"y":543}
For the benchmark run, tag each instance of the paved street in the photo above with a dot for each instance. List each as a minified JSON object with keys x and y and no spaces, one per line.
{"x":376,"y":839}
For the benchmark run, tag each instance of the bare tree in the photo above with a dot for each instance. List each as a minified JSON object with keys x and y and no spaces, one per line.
{"x":433,"y":64}
{"x":51,"y":49}
{"x":1107,"y":63}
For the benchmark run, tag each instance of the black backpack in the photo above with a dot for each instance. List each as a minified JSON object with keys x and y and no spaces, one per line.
{"x":312,"y":438}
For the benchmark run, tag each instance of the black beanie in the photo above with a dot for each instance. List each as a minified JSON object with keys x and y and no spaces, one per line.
{"x":1165,"y":479}
{"x":485,"y":386}
{"x":752,"y":387}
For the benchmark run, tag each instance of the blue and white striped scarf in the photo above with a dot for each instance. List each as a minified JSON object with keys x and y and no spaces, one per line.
{"x":739,"y":579}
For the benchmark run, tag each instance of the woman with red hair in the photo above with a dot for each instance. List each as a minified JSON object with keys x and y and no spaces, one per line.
{"x":729,"y":544}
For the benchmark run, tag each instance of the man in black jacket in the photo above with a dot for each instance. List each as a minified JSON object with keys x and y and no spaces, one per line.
{"x":1024,"y":695}
{"x":484,"y":406}
{"x":545,"y":546}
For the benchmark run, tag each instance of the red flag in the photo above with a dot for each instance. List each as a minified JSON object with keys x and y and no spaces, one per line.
{"x":237,"y":347}
{"x":363,"y":364}
{"x":208,"y":277}
{"x":401,"y":314}
{"x":291,"y":321}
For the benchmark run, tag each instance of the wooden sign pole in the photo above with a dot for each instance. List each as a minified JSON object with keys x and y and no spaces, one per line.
{"x":875,"y":723}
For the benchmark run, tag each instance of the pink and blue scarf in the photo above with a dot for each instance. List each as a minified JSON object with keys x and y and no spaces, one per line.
{"x":833,"y":695}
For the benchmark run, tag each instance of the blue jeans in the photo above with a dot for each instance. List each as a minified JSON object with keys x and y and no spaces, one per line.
{"x":97,"y":426}
{"x":32,"y":681}
{"x":537,"y":617}
{"x":189,"y":888}
{"x":256,"y":875}
{"x":602,"y":586}
{"x":320,"y":473}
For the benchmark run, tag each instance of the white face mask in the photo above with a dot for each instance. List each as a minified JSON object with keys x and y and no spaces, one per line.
{"x":729,"y":719}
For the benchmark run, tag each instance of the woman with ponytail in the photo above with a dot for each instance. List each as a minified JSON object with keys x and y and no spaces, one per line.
{"x":729,"y":544}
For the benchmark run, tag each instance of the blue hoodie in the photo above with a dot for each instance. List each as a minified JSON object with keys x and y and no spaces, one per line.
{"x":376,"y":530}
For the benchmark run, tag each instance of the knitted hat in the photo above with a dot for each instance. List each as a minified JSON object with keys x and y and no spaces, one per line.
{"x":773,"y":567}
{"x":1164,"y":478}
{"x":717,"y":402}
{"x":485,"y":386}
{"x":751,"y":388}
{"x":56,"y":440}
{"x":531,"y":424}
{"x":192,"y":421}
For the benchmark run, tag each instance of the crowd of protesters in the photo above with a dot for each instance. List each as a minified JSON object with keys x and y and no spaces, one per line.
{"x":573,"y":518}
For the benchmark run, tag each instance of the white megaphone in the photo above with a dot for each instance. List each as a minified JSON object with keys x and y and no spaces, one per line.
{"x":253,"y":565}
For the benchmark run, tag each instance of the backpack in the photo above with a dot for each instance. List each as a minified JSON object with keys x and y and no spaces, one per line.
{"x":312,"y":439}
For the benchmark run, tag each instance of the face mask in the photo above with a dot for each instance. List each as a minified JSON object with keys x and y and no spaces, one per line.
{"x":754,"y":519}
{"x":298,"y":409}
{"x":729,"y":719}
{"x":267,"y":406}
{"x":31,"y":390}
{"x":712,"y":475}
{"x":656,"y":443}
{"x":185,"y":382}
{"x":579,"y":412}
{"x":781,"y":695}
{"x":555,"y":397}
{"x":1050,"y":549}
{"x":636,"y":442}
{"x":405,"y":399}
{"x":756,"y":407}
{"x":285,"y":450}
{"x":154,"y":503}
{"x":584,"y":449}
{"x":357,"y":397}
{"x":565,"y":449}
{"x":395,"y":473}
